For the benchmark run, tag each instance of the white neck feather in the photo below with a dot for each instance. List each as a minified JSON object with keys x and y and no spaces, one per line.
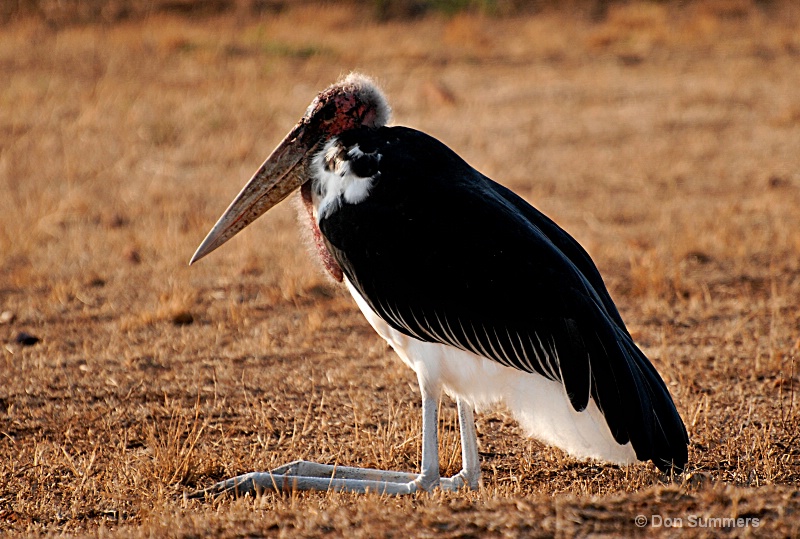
{"x":334,"y":182}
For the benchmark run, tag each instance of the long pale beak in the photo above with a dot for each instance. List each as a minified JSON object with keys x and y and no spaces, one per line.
{"x":284,"y":171}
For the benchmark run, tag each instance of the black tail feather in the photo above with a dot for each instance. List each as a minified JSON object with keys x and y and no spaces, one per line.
{"x":667,"y":440}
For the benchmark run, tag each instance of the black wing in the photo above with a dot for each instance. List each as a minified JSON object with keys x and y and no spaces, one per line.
{"x":446,"y":255}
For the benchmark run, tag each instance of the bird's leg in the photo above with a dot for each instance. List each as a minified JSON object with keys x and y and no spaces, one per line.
{"x":429,"y":477}
{"x":305,"y":475}
{"x":470,"y":473}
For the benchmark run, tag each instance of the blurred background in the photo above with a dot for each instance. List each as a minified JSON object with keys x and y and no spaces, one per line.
{"x":72,"y":11}
{"x":93,"y":11}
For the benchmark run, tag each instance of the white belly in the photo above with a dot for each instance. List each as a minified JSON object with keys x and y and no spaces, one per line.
{"x":540,"y":405}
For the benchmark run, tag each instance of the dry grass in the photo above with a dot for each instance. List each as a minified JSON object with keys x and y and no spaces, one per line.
{"x":667,"y":142}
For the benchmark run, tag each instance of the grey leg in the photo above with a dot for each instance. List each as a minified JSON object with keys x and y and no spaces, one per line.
{"x":304,"y":475}
{"x":429,"y":478}
{"x":470,"y":473}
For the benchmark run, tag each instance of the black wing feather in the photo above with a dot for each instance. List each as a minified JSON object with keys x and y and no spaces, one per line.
{"x":446,"y":255}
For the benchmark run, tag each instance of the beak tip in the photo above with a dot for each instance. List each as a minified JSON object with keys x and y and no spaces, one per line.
{"x":199,"y":253}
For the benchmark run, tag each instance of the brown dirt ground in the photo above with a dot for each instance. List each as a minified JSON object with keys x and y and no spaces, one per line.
{"x":667,"y":141}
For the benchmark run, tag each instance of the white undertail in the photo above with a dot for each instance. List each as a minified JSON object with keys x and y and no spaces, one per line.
{"x":541,"y":406}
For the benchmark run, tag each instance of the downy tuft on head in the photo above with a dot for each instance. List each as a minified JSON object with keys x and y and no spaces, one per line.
{"x":353,"y":102}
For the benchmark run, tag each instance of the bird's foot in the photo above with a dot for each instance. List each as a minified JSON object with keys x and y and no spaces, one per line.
{"x":305,"y":475}
{"x":462,"y":479}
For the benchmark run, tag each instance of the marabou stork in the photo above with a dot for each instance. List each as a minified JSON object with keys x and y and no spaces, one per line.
{"x":477,"y":291}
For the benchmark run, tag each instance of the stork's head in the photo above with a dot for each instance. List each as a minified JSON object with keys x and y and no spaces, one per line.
{"x":351,"y":103}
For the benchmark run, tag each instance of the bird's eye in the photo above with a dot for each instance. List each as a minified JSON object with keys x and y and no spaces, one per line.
{"x":328,"y":112}
{"x":365,"y":165}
